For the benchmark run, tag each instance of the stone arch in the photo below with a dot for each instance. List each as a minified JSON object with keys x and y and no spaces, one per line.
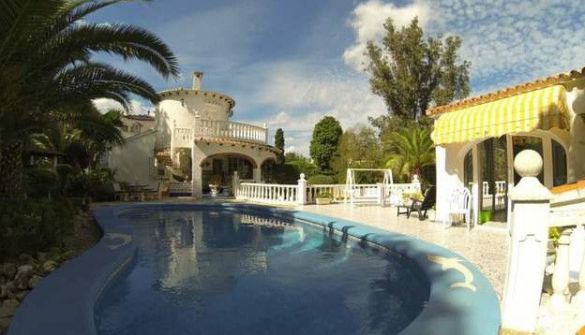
{"x":231,"y":154}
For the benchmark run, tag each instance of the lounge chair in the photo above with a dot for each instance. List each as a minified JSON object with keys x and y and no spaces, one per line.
{"x":421,"y":207}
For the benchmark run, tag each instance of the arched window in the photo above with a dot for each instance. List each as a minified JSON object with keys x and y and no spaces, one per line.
{"x":559,"y":157}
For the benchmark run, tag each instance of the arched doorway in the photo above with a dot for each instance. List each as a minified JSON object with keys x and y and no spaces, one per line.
{"x":219,"y":170}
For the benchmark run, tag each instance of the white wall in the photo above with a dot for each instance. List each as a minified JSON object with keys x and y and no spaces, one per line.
{"x":449,"y":162}
{"x":179,"y":109}
{"x":133,"y":161}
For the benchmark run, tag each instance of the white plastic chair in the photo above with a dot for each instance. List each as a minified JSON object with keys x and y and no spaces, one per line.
{"x":460,"y":203}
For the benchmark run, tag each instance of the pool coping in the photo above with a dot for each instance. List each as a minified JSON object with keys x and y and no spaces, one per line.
{"x":461,"y":301}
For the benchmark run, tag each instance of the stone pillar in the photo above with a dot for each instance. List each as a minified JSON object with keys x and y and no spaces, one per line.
{"x":560,"y":278}
{"x":302,"y":190}
{"x":380,"y":195}
{"x":197,"y":187}
{"x":235,"y":183}
{"x":257,"y":175}
{"x":530,"y":223}
{"x":416,"y":181}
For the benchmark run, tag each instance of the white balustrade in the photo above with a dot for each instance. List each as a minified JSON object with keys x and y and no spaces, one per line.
{"x":268,"y":193}
{"x":275,"y":193}
{"x":230,"y":130}
{"x":180,"y":188}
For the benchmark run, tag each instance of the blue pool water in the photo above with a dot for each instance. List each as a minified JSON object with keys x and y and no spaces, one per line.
{"x":206,"y":271}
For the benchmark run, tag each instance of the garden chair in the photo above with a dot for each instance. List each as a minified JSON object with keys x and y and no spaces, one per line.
{"x":460,"y":207}
{"x":419,"y":206}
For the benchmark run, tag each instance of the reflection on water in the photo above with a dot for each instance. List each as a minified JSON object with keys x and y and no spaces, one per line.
{"x":211,"y":272}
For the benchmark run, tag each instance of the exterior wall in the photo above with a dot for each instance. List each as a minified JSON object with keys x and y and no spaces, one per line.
{"x":133,"y":162}
{"x":576,"y":155}
{"x":201,"y":151}
{"x":179,"y":109}
{"x":134,"y":126}
{"x":449,"y":165}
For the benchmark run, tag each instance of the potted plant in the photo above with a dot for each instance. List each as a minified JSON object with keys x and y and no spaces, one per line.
{"x":324,"y":198}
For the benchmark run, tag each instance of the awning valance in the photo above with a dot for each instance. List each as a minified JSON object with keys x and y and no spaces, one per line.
{"x":541,"y":109}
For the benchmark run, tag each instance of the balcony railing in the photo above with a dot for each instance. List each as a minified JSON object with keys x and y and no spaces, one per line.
{"x":230,"y":130}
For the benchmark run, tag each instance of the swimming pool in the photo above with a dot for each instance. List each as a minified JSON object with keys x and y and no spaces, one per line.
{"x":216,"y":271}
{"x":152,"y":267}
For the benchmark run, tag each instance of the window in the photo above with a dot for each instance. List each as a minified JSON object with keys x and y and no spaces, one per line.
{"x":136,"y":128}
{"x":559,"y":164}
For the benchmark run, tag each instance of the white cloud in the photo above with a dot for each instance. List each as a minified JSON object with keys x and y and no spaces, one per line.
{"x":302,"y":93}
{"x":136,"y":106}
{"x":367,"y":21}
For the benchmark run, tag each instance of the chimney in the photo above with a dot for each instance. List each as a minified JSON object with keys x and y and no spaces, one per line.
{"x":197,"y":80}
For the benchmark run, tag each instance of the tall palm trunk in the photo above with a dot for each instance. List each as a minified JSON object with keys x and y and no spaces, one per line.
{"x":11,"y":168}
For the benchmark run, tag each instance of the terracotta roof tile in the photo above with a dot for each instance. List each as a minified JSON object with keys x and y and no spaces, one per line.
{"x":555,"y":79}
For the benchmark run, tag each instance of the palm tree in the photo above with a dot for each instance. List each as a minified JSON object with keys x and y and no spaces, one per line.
{"x":47,"y":69}
{"x":410,"y":150}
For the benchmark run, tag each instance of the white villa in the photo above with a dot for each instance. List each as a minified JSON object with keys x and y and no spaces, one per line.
{"x":193,"y":143}
{"x":477,"y":139}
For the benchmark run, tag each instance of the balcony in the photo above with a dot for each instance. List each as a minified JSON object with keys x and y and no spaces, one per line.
{"x":183,"y":137}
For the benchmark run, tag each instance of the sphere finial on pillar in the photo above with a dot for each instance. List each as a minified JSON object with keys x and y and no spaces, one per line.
{"x":528,"y":163}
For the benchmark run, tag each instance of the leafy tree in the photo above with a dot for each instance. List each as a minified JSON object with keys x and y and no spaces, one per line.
{"x":47,"y":69}
{"x":412,"y":73}
{"x":410,"y":150}
{"x":324,"y":143}
{"x":359,"y":147}
{"x":279,"y":144}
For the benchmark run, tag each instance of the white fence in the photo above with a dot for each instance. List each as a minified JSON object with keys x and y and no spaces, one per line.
{"x":183,"y":188}
{"x":183,"y":137}
{"x":302,"y":193}
{"x":231,"y":130}
{"x":270,"y":193}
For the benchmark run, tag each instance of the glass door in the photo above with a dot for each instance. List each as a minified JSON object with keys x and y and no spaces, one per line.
{"x":520,"y":143}
{"x":493,"y":181}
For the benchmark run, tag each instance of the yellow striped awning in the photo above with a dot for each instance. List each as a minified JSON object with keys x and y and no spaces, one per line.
{"x":541,"y":109}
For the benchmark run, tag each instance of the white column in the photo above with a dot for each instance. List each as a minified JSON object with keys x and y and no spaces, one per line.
{"x":235,"y":184}
{"x":443,"y":184}
{"x":257,"y":175}
{"x":302,"y":190}
{"x":530,"y":222}
{"x":197,"y":189}
{"x":380,"y":194}
{"x":560,"y":278}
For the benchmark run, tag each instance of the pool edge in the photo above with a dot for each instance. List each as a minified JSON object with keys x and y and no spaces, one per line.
{"x":457,"y":305}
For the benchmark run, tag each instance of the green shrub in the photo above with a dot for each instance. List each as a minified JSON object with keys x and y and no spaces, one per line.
{"x":285,"y":174}
{"x":321,"y":179}
{"x":32,"y":225}
{"x":78,"y":185}
{"x":41,"y":182}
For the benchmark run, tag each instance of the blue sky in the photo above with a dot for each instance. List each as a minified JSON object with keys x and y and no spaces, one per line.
{"x":291,"y":62}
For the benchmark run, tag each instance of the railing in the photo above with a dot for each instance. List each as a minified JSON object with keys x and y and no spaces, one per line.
{"x":303,"y":194}
{"x":569,"y":257}
{"x":269,"y":193}
{"x":337,"y":192}
{"x":184,"y":188}
{"x":230,"y":130}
